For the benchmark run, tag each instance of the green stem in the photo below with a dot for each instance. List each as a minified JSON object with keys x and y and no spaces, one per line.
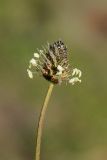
{"x":41,"y":122}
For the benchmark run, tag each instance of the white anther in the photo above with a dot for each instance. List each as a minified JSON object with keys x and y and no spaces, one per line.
{"x":33,"y":62}
{"x":30,"y":74}
{"x":36,"y":55}
{"x":76,"y":72}
{"x":60,"y":68}
{"x":74,"y":80}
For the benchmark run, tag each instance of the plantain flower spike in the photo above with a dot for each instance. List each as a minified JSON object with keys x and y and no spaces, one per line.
{"x":52,"y":63}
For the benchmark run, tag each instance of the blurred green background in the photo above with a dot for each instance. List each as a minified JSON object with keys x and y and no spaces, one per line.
{"x":76,"y":120}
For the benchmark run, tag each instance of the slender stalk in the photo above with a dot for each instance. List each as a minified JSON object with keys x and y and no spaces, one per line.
{"x":41,"y":122}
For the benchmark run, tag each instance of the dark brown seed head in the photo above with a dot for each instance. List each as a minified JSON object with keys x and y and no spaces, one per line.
{"x":57,"y":55}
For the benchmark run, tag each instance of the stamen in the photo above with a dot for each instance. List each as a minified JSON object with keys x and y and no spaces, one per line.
{"x":33,"y":62}
{"x":36,"y":55}
{"x":74,"y":80}
{"x":30,"y":74}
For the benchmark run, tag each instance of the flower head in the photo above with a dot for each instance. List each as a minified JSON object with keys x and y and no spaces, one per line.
{"x":52,"y":63}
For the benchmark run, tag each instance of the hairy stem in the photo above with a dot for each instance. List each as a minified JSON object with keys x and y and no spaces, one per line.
{"x":41,"y":122}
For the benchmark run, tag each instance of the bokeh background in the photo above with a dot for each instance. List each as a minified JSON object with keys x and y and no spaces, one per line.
{"x":76,"y":120}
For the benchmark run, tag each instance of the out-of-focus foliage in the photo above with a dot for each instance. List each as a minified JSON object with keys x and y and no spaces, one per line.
{"x":76,"y":121}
